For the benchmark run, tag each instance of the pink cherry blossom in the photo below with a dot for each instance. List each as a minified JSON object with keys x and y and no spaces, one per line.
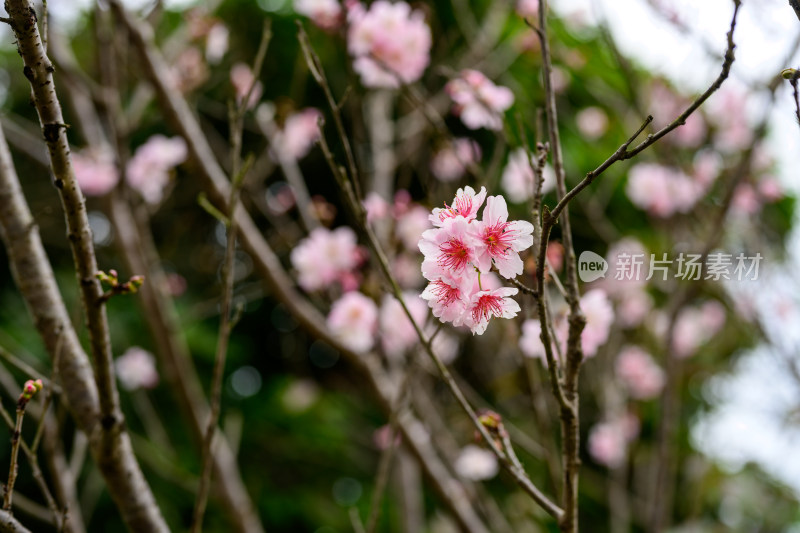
{"x":216,"y":43}
{"x":375,"y":206}
{"x":148,"y":170}
{"x":487,"y":304}
{"x":406,"y":270}
{"x":706,"y":168}
{"x":729,"y":113}
{"x":298,"y":135}
{"x":770,"y":189}
{"x":745,"y":200}
{"x":451,"y":162}
{"x":136,"y":369}
{"x":518,"y":177}
{"x":449,"y":297}
{"x":411,"y":225}
{"x":531,"y":342}
{"x":327,"y":14}
{"x":642,"y":377}
{"x":608,"y":441}
{"x":528,"y":8}
{"x":397,"y":331}
{"x":633,"y":305}
{"x":479,"y":102}
{"x":599,"y":316}
{"x":390,"y":43}
{"x":448,"y":251}
{"x":696,"y":326}
{"x":465,"y":205}
{"x":95,"y":171}
{"x":242,"y":79}
{"x":661,"y":190}
{"x":444,"y":345}
{"x":324,"y":257}
{"x":499,"y":241}
{"x":592,"y":122}
{"x":476,"y":463}
{"x":352,"y":320}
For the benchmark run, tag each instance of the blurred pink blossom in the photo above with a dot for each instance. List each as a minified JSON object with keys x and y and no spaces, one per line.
{"x":476,"y":463}
{"x":633,"y":306}
{"x":406,"y":269}
{"x":696,"y":326}
{"x":592,"y":122}
{"x":707,"y":167}
{"x":599,"y":315}
{"x":452,"y":160}
{"x":411,"y":225}
{"x":95,"y":171}
{"x":216,"y":43}
{"x":390,"y":43}
{"x":518,"y":177}
{"x":190,"y":70}
{"x":324,"y":257}
{"x":770,"y":189}
{"x":661,"y":190}
{"x":479,"y":102}
{"x":729,"y":113}
{"x":375,"y":206}
{"x":352,"y":320}
{"x":608,"y":441}
{"x":528,"y":8}
{"x":745,"y":200}
{"x":397,"y":331}
{"x":148,"y":170}
{"x":242,"y":79}
{"x":327,"y":14}
{"x":643,"y":378}
{"x":667,"y":106}
{"x":530,"y":342}
{"x":136,"y":369}
{"x":299,"y":133}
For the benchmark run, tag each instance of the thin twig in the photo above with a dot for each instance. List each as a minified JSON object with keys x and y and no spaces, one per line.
{"x":227,"y":322}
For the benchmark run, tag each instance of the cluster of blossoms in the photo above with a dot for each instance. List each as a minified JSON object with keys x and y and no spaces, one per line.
{"x":390,"y":43}
{"x":148,"y":171}
{"x":479,"y":102}
{"x":599,"y":314}
{"x":325,"y":257}
{"x":662,"y":190}
{"x":460,"y":248}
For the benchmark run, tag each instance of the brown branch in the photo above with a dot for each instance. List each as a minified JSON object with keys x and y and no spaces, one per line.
{"x":9,"y":524}
{"x":34,"y":277}
{"x":39,"y":72}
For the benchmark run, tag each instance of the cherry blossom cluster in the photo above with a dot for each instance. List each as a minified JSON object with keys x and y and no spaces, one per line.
{"x":148,"y":171}
{"x":460,"y":248}
{"x":479,"y":102}
{"x":390,"y":43}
